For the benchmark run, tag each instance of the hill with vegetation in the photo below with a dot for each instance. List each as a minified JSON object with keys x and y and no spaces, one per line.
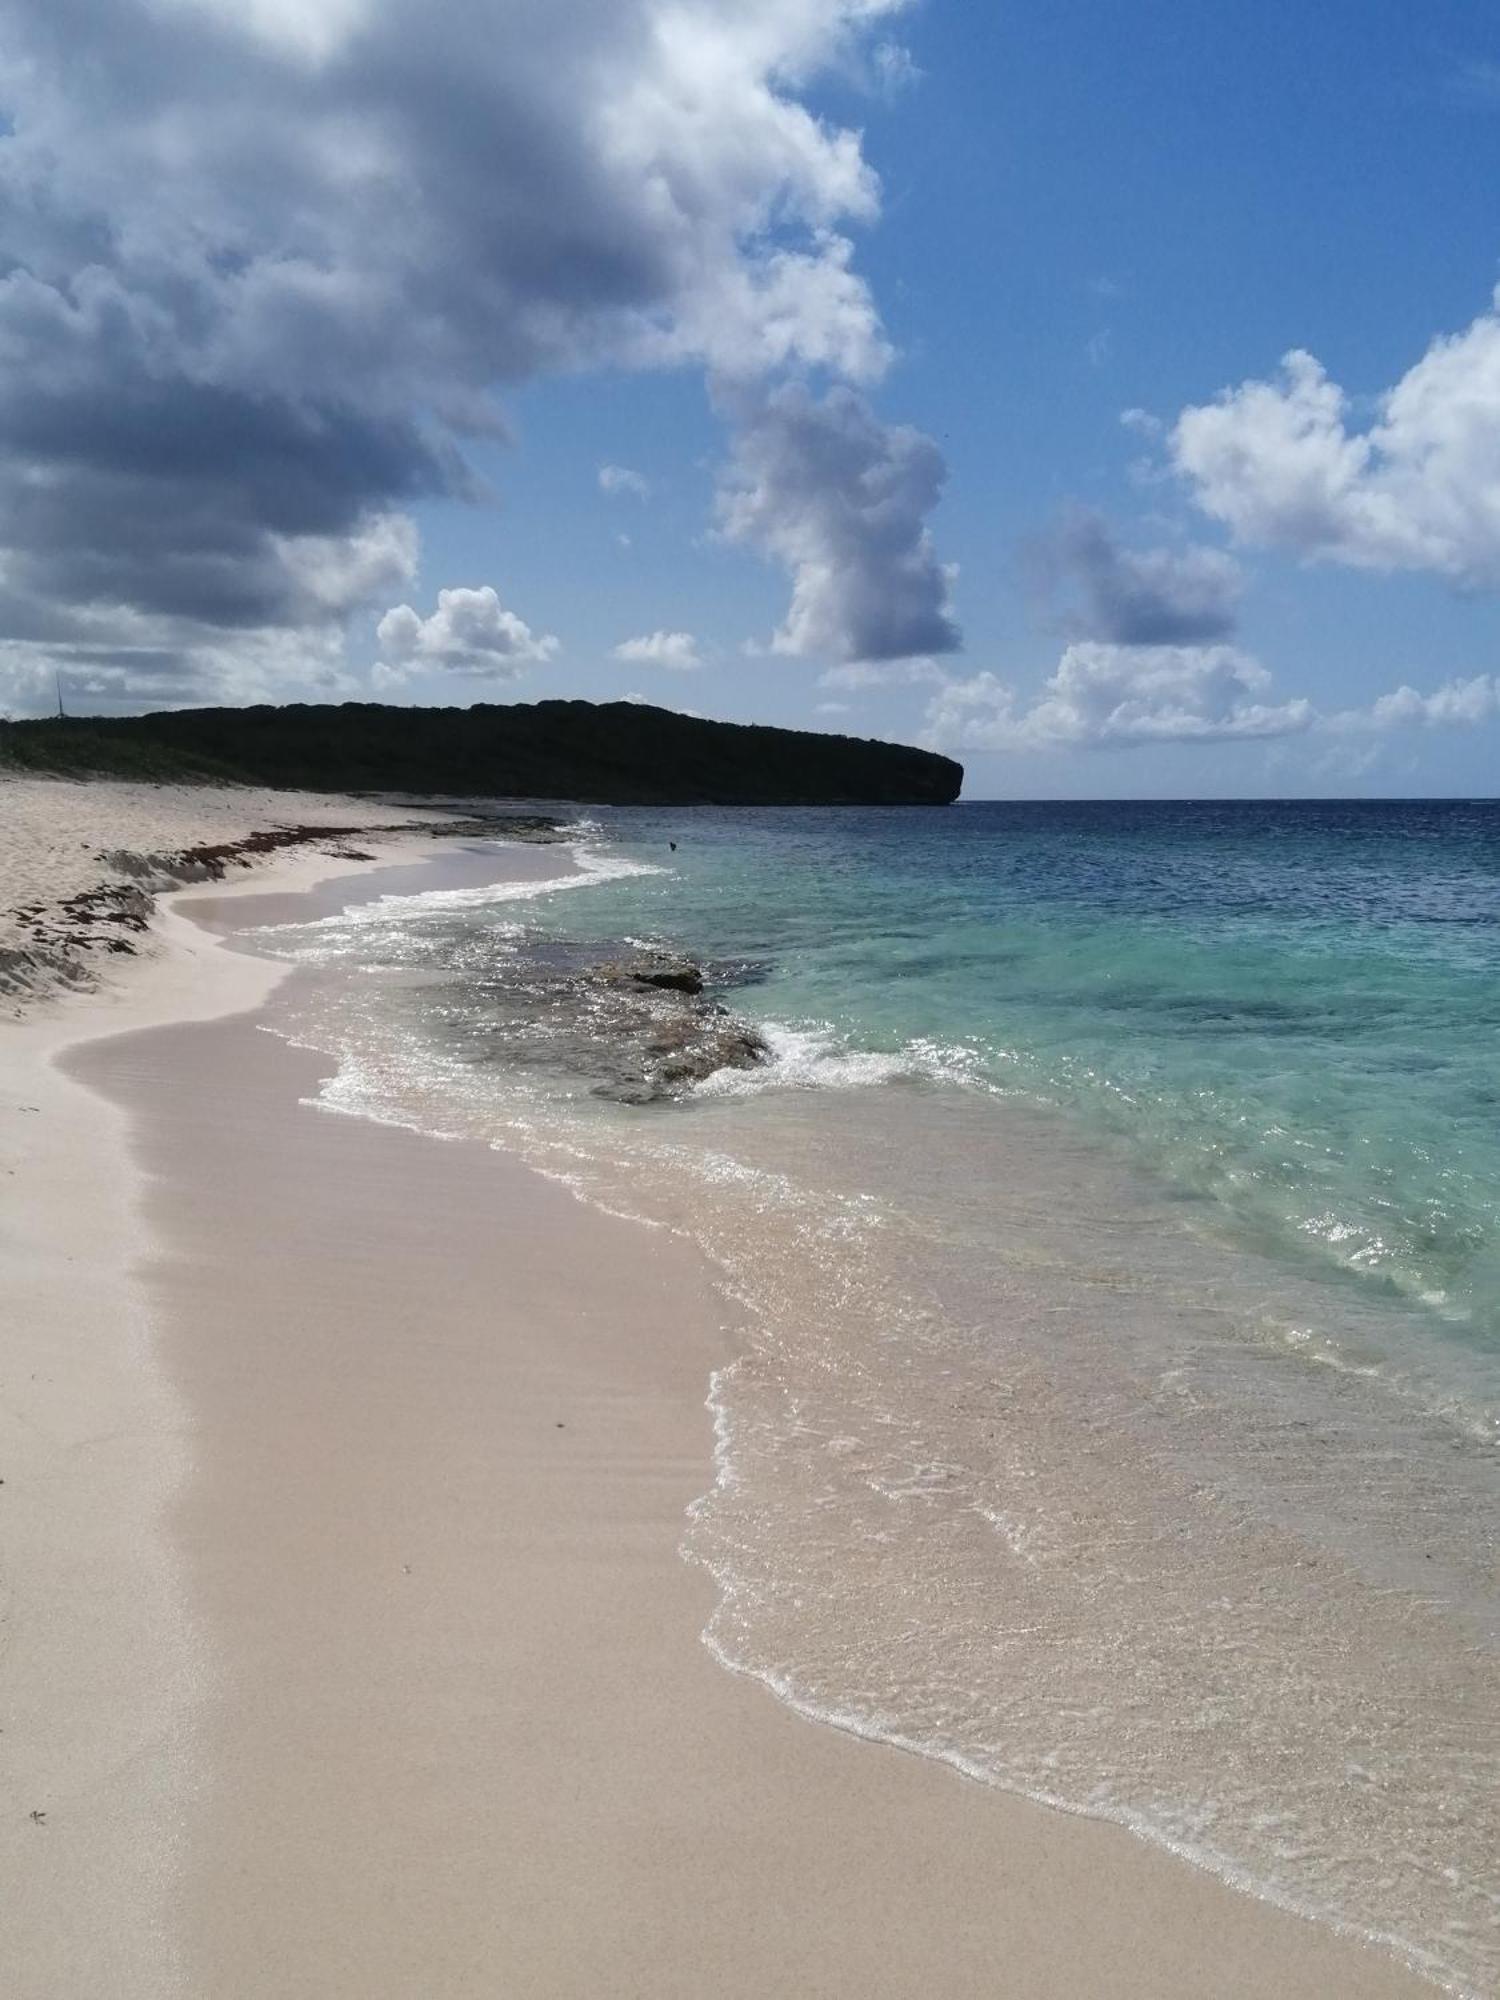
{"x":606,"y":753}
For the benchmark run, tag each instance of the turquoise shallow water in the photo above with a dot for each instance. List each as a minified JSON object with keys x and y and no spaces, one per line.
{"x":1112,"y":1251}
{"x":1289,"y":1012}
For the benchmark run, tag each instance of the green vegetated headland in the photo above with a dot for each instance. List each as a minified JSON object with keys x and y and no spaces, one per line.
{"x":606,"y":753}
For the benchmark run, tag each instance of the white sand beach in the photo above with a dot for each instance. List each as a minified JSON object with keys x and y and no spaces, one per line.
{"x":62,"y":840}
{"x":347,"y":1649}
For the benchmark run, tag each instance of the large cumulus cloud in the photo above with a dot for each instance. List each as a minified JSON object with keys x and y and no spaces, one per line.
{"x":1284,"y":463}
{"x":266,"y":264}
{"x":842,"y":500}
{"x":471,"y":632}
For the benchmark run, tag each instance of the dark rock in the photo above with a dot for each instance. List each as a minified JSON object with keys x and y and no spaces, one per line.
{"x":669,"y":975}
{"x":684,"y":1048}
{"x":672,"y":978}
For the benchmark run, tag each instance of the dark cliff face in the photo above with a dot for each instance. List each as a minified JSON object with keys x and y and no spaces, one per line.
{"x":607,"y":753}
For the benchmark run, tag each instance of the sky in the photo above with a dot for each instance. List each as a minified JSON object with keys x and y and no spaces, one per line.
{"x":1109,"y":396}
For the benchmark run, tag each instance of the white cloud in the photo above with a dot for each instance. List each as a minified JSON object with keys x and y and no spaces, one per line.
{"x":336,"y":574}
{"x":121,"y":655}
{"x":1102,"y":695}
{"x":841,"y":499}
{"x":1419,"y":489}
{"x":1142,"y":423}
{"x":471,"y":632}
{"x":620,"y":479}
{"x":307,"y":29}
{"x":676,"y":650}
{"x":883,"y":673}
{"x":789,"y":309}
{"x":1458,"y":704}
{"x":831,"y":708}
{"x":894,"y":68}
{"x":121,"y":659}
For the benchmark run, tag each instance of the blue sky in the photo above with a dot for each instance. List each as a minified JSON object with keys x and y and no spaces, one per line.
{"x":1096,"y":563}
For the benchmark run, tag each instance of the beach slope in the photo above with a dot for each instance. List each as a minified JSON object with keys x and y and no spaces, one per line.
{"x":348,"y":1646}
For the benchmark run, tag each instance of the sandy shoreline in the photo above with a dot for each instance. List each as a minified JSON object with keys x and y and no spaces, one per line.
{"x":347,"y":1647}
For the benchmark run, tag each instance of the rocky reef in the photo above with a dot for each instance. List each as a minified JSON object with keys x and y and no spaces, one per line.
{"x":613,"y":1018}
{"x":668,"y":1032}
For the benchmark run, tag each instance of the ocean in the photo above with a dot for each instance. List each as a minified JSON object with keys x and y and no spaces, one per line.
{"x":1107,"y":1206}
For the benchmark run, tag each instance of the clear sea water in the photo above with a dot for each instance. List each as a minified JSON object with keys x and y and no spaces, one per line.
{"x":1115,"y":1247}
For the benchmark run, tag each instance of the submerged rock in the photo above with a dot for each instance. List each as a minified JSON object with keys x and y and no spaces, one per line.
{"x":668,"y":1052}
{"x":633,"y":1022}
{"x":708,"y":1038}
{"x":667,"y":974}
{"x":655,"y":1030}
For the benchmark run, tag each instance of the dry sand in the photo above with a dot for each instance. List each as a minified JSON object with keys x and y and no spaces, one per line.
{"x":62,"y":839}
{"x":348,"y":1651}
{"x":55,"y":832}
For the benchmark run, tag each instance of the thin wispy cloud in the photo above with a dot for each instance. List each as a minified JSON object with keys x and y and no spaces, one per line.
{"x":677,"y":651}
{"x":1475,"y":82}
{"x":614,"y":479}
{"x":881,"y":673}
